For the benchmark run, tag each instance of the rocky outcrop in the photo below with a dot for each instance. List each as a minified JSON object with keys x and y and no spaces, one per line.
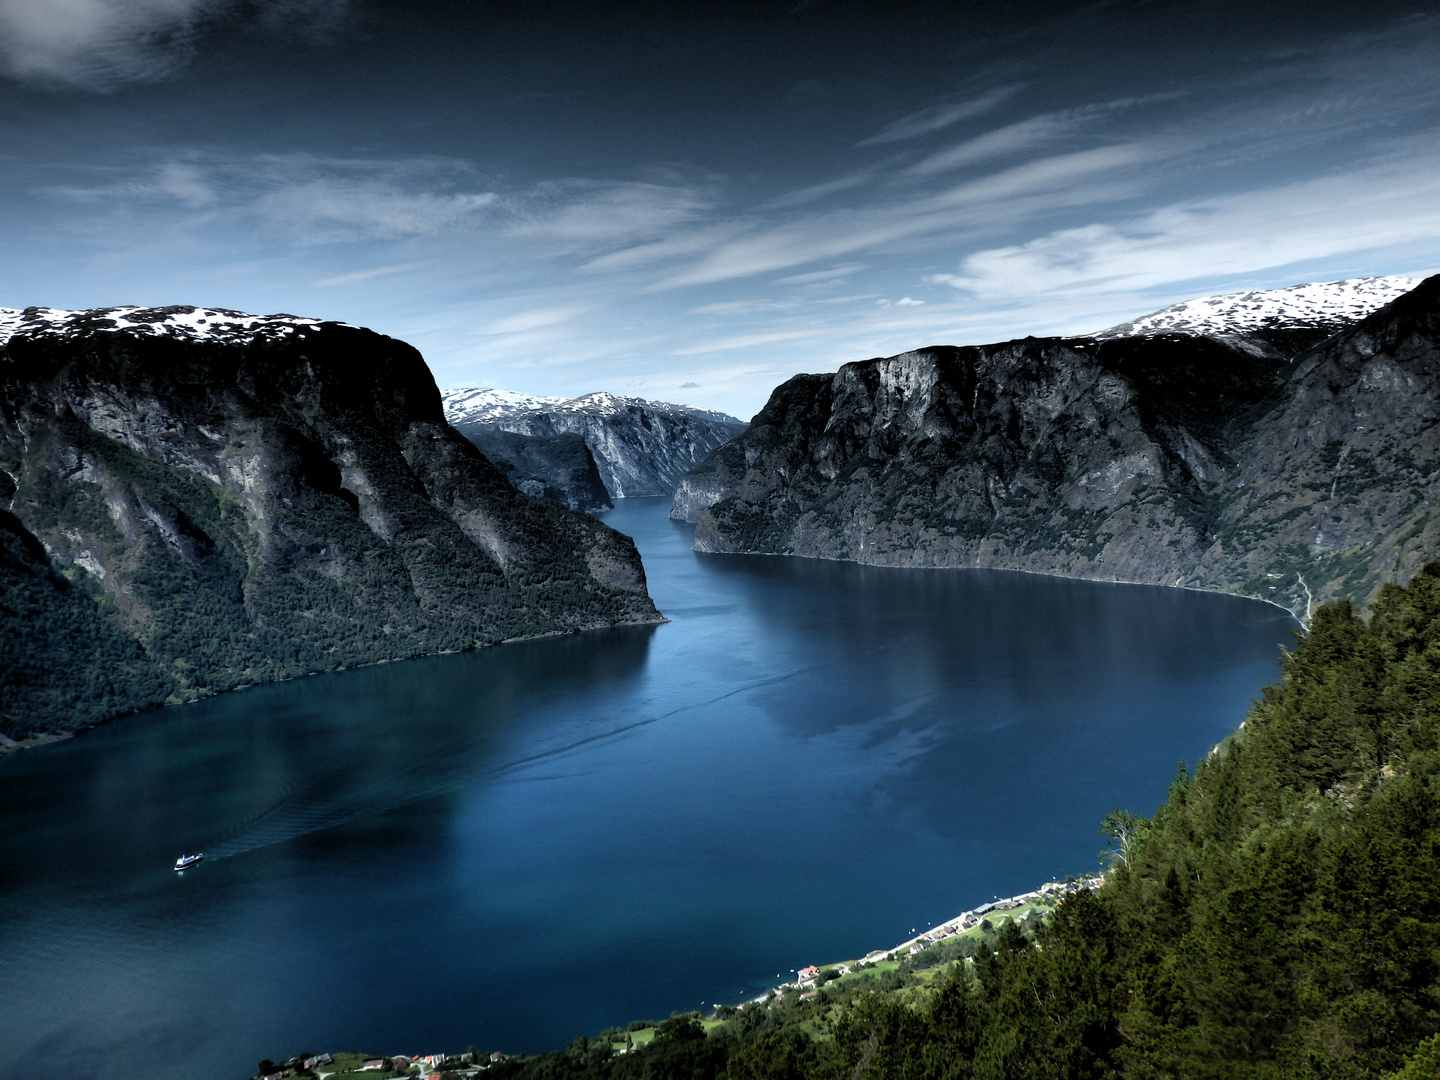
{"x":1213,"y":462}
{"x":640,"y":447}
{"x":196,"y":500}
{"x":556,"y":467}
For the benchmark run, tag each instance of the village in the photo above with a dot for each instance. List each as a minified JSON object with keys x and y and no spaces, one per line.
{"x":411,"y":1066}
{"x":808,"y":979}
{"x":974,"y":922}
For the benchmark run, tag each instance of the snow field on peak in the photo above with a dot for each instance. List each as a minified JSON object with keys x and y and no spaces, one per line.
{"x":189,"y":323}
{"x":478,"y":404}
{"x":1314,"y":304}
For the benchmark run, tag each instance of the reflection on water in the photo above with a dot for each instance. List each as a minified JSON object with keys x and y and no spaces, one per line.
{"x":509,"y":846}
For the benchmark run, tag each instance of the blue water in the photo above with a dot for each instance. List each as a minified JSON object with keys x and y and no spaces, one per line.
{"x":508,"y":847}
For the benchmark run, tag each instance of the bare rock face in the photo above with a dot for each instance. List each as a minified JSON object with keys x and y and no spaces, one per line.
{"x":1213,"y":462}
{"x":1339,"y":485}
{"x":557,"y":467}
{"x":197,"y":500}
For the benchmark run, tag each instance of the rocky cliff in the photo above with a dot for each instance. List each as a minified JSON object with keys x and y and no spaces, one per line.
{"x":1209,"y":460}
{"x":640,"y":447}
{"x":195,"y":500}
{"x":556,"y":467}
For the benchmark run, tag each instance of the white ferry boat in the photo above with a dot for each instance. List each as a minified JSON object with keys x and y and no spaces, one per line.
{"x":188,"y":860}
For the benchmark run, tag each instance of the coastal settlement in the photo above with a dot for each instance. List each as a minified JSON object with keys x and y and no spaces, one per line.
{"x":955,"y":938}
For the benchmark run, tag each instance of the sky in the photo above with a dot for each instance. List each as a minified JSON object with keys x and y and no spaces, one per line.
{"x":693,"y":202}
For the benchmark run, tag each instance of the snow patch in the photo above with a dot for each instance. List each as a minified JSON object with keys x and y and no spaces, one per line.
{"x":183,"y":322}
{"x":480,"y":404}
{"x":1318,"y":305}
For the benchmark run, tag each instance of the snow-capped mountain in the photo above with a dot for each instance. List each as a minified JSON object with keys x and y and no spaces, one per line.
{"x":1324,"y":305}
{"x":640,"y":447}
{"x":183,"y":322}
{"x":1201,"y":459}
{"x":254,"y":498}
{"x":479,"y":405}
{"x":485,"y":406}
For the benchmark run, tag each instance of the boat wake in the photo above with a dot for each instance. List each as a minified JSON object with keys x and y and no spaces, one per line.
{"x":333,"y":798}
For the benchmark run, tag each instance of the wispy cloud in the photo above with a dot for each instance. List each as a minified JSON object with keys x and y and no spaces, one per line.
{"x":306,"y":197}
{"x":695,"y":241}
{"x":741,"y":341}
{"x":1007,"y":196}
{"x":329,"y":209}
{"x":354,"y":277}
{"x":1002,"y":142}
{"x":740,"y":307}
{"x":589,"y":212}
{"x":815,"y":277}
{"x":941,"y":116}
{"x":535,"y":318}
{"x":817,"y":192}
{"x":312,"y":199}
{"x":180,"y":181}
{"x":1390,"y":205}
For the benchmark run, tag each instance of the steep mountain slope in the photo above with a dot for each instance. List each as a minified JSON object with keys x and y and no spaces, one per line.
{"x":640,"y":447}
{"x":557,"y":467}
{"x":200,"y":499}
{"x":1209,"y":461}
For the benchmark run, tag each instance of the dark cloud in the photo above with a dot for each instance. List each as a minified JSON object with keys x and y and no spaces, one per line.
{"x":103,"y":44}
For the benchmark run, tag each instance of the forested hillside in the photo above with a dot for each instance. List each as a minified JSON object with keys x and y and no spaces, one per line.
{"x":1278,"y":917}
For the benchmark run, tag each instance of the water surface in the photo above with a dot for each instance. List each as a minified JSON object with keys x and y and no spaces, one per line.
{"x":507,"y":847}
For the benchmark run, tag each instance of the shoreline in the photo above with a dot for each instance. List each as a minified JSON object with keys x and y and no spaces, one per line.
{"x":35,"y":740}
{"x":960,"y":924}
{"x":1303,"y":624}
{"x":473,"y":1064}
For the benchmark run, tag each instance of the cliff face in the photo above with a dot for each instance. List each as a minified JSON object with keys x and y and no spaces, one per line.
{"x":640,"y":447}
{"x":198,"y":500}
{"x":1209,"y":462}
{"x":556,"y":467}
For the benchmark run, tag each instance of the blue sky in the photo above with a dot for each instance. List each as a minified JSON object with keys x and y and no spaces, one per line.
{"x":694,"y":202}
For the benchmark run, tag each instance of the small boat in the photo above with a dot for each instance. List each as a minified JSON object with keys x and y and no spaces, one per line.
{"x":188,"y":860}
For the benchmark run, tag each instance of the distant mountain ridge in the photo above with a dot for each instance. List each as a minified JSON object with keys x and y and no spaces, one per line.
{"x":194,"y":499}
{"x":639,"y":447}
{"x":483,"y":405}
{"x":1205,"y":459}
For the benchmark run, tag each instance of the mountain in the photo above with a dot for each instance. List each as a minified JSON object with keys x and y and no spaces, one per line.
{"x":640,"y":447}
{"x":558,"y":467}
{"x":1325,"y":306}
{"x":1206,"y":458}
{"x":197,"y":499}
{"x":1272,"y":322}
